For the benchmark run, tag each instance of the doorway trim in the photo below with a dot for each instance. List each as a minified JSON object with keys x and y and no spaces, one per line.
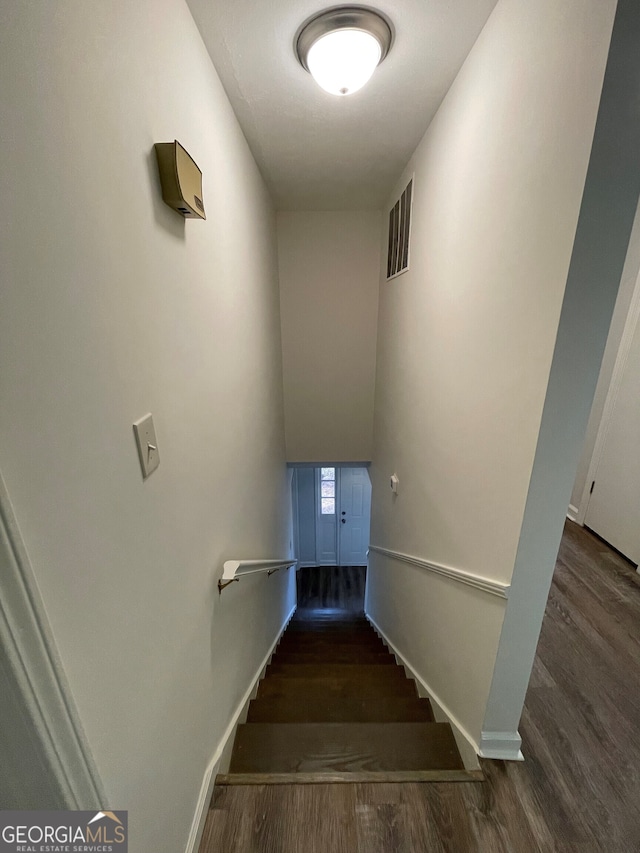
{"x":622,"y":356}
{"x":36,"y":674}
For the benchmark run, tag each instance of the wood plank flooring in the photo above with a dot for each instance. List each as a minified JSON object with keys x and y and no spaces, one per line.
{"x":340,"y":587}
{"x":332,"y":710}
{"x":577,"y":792}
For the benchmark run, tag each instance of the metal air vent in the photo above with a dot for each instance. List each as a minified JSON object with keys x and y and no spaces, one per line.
{"x":399,"y":233}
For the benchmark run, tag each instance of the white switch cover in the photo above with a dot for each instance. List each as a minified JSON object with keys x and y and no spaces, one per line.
{"x":145,"y":434}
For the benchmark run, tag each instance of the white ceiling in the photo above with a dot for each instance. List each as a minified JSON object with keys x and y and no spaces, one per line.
{"x":317,"y":151}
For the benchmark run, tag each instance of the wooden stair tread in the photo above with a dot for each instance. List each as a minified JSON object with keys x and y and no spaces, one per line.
{"x":334,"y":706}
{"x":334,"y":656}
{"x":311,"y":624}
{"x":313,"y":689}
{"x":340,"y":649}
{"x":349,"y":629}
{"x":344,"y":747}
{"x":346,"y":618}
{"x":310,"y":647}
{"x":307,"y":647}
{"x":332,"y":637}
{"x":355,"y":672}
{"x":304,"y":613}
{"x":333,"y":777}
{"x":335,"y":710}
{"x":330,"y":625}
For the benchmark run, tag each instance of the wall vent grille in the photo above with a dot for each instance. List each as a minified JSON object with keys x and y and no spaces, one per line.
{"x":398,"y":253}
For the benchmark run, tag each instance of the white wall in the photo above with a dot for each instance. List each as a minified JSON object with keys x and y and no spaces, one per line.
{"x":329,"y":264}
{"x":466,"y":337}
{"x":113,"y":306}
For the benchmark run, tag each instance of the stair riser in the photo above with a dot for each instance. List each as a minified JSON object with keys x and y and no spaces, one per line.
{"x":355,"y":623}
{"x":358,"y":621}
{"x":344,"y":747}
{"x":388,"y":710}
{"x":343,"y":640}
{"x":301,"y":640}
{"x":314,"y":690}
{"x":354,"y":657}
{"x":330,"y":628}
{"x":354,"y":672}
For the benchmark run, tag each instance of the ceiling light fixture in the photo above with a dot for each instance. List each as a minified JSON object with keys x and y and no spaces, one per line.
{"x":341,"y":48}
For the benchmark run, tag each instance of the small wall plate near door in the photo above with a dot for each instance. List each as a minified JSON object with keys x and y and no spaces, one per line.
{"x":145,"y":434}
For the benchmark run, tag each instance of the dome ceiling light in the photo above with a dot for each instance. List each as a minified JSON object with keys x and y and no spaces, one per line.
{"x":341,"y":48}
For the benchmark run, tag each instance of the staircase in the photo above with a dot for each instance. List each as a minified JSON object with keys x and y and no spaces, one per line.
{"x":335,"y":707}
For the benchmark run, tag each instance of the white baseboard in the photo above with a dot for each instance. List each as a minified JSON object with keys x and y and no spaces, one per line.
{"x":469,"y":749}
{"x":222,"y":751}
{"x":200,"y":816}
{"x":501,"y":745}
{"x":572,"y":513}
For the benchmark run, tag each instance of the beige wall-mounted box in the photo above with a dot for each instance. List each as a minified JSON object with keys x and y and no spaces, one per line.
{"x":181,"y":180}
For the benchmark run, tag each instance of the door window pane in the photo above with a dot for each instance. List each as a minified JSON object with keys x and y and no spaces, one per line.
{"x":328,"y":489}
{"x":328,"y":506}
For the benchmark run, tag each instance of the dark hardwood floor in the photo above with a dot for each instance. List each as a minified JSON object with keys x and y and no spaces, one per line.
{"x":577,"y":792}
{"x":333,"y":587}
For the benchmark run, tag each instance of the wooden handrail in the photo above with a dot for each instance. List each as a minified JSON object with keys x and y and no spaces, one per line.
{"x":233,"y":570}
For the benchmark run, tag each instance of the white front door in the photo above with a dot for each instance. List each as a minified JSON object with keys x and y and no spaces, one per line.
{"x":354,"y":516}
{"x":614,"y":506}
{"x":326,"y":519}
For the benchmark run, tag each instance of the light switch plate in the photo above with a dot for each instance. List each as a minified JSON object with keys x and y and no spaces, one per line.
{"x":145,"y":434}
